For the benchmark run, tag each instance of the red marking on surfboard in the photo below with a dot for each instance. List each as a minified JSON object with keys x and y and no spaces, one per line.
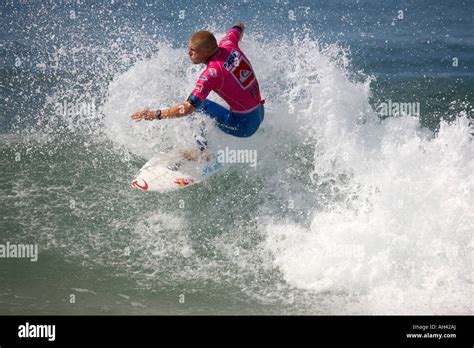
{"x":183,"y":181}
{"x":143,"y":187}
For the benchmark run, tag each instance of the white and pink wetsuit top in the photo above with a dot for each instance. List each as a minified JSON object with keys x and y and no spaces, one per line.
{"x":230,"y":75}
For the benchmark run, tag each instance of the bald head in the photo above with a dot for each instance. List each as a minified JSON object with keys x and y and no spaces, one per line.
{"x":204,"y":39}
{"x":201,"y":46}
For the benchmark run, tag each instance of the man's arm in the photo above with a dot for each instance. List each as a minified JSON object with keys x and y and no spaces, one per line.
{"x":204,"y":86}
{"x":179,"y":110}
{"x":240,"y":26}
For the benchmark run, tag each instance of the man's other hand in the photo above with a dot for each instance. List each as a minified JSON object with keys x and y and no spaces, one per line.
{"x":241,"y":25}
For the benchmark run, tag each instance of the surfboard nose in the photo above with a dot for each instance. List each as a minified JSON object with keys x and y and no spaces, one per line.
{"x":141,"y":186}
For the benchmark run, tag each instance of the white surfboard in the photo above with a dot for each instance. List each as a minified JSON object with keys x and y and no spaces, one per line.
{"x":169,"y":171}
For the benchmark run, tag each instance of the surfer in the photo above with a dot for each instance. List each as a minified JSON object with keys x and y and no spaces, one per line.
{"x":229,"y":74}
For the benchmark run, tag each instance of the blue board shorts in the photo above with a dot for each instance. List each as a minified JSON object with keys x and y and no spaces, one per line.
{"x":237,"y":124}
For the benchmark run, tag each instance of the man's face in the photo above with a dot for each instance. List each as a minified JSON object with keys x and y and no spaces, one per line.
{"x":198,"y":55}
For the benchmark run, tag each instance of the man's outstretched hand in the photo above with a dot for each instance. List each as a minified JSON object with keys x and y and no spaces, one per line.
{"x":241,"y":26}
{"x":146,"y":114}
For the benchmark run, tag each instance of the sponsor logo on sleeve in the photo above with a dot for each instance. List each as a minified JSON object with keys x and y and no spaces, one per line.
{"x":198,"y":88}
{"x":203,"y":77}
{"x":212,"y":72}
{"x":229,"y":63}
{"x":255,"y":92}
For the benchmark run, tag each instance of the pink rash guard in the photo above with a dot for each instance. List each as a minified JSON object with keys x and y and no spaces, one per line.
{"x":230,"y":75}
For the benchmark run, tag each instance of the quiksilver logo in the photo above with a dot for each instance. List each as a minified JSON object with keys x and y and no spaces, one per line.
{"x":33,"y":331}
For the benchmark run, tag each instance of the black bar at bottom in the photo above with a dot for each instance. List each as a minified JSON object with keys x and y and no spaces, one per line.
{"x":291,"y":330}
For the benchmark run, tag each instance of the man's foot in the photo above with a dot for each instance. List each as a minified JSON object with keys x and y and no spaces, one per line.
{"x":194,"y":155}
{"x":190,"y":155}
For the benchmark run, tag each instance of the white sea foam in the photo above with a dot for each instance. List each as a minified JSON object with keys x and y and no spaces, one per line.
{"x":400,"y":220}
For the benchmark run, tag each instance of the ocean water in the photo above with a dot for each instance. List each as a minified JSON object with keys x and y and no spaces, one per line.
{"x":353,"y":207}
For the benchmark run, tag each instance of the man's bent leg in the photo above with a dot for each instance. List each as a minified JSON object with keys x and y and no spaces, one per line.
{"x":201,"y":136}
{"x":238,"y":125}
{"x":223,"y":117}
{"x":250,"y":122}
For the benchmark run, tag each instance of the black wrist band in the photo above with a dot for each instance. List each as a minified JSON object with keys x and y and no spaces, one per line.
{"x":158,"y":114}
